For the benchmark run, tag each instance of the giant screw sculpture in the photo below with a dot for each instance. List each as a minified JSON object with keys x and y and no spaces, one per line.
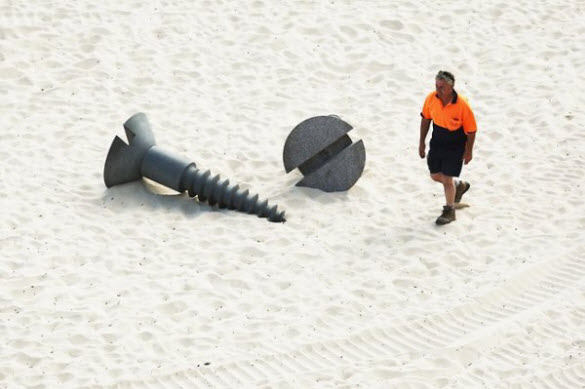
{"x":142,"y":158}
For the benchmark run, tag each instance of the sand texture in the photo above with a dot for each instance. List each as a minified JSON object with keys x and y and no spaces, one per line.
{"x":137,"y":286}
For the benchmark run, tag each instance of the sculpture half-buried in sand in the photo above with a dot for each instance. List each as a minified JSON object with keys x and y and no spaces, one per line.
{"x":325,"y":154}
{"x":142,"y":158}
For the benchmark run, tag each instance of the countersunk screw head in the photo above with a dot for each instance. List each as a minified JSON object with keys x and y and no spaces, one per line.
{"x":124,"y":160}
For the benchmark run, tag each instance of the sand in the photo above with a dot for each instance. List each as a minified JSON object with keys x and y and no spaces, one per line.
{"x":140,"y":287}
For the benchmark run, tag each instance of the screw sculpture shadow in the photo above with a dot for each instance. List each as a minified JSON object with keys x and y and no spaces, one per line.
{"x":142,"y":158}
{"x":325,"y":154}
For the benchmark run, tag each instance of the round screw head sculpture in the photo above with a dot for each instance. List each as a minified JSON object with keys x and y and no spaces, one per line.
{"x":142,"y":158}
{"x":325,"y":154}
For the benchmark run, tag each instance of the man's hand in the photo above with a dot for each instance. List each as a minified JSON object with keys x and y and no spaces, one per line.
{"x":424,"y":129}
{"x":467,"y":156}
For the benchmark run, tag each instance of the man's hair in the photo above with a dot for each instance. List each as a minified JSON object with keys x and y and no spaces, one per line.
{"x":445,"y":76}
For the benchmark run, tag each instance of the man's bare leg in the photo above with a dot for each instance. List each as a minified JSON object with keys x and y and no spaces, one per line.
{"x":448,"y":186}
{"x":448,"y":214}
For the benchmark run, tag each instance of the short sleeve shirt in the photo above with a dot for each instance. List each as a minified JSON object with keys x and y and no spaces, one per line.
{"x":455,"y":115}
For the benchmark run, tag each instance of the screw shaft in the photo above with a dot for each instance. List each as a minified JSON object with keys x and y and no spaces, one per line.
{"x":214,"y":191}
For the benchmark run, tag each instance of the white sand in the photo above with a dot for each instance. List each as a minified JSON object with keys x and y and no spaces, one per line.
{"x":127,"y":288}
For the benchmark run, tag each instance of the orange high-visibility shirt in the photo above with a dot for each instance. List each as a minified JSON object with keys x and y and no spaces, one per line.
{"x":455,"y":115}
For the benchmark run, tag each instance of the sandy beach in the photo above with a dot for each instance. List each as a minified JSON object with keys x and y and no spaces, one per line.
{"x":137,"y":286}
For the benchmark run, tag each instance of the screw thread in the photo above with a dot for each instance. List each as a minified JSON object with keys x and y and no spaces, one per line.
{"x":214,"y":191}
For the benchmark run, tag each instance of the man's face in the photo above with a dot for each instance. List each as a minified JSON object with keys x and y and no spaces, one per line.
{"x":443,"y":88}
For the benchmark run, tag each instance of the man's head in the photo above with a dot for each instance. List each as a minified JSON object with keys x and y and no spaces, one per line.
{"x":444,"y":82}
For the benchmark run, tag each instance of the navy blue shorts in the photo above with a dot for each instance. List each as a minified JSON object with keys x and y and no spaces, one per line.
{"x":448,"y":162}
{"x":446,"y":151}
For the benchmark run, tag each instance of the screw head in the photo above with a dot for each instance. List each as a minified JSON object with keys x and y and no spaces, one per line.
{"x":325,"y":154}
{"x":124,"y":161}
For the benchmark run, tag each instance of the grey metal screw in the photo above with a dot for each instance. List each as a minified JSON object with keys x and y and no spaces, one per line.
{"x":142,"y":158}
{"x":325,"y":154}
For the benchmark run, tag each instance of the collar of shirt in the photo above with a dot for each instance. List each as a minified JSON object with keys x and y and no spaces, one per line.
{"x":454,"y":97}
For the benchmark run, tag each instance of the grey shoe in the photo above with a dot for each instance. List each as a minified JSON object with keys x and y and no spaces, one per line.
{"x":460,"y":190}
{"x":447,"y":216}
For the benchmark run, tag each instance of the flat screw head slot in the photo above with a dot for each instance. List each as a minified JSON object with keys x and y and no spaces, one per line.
{"x":324,"y":154}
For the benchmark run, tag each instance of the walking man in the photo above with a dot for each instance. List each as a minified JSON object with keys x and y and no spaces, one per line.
{"x":452,"y":141}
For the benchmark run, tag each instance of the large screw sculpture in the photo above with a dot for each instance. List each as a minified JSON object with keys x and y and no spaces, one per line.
{"x":142,"y":158}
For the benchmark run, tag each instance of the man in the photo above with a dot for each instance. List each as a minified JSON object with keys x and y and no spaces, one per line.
{"x":452,"y":140}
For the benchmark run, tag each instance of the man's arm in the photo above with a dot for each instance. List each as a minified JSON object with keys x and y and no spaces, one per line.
{"x":424,"y":130}
{"x":468,"y":156}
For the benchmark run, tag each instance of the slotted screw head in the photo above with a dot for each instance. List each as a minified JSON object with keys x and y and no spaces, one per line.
{"x":325,"y":154}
